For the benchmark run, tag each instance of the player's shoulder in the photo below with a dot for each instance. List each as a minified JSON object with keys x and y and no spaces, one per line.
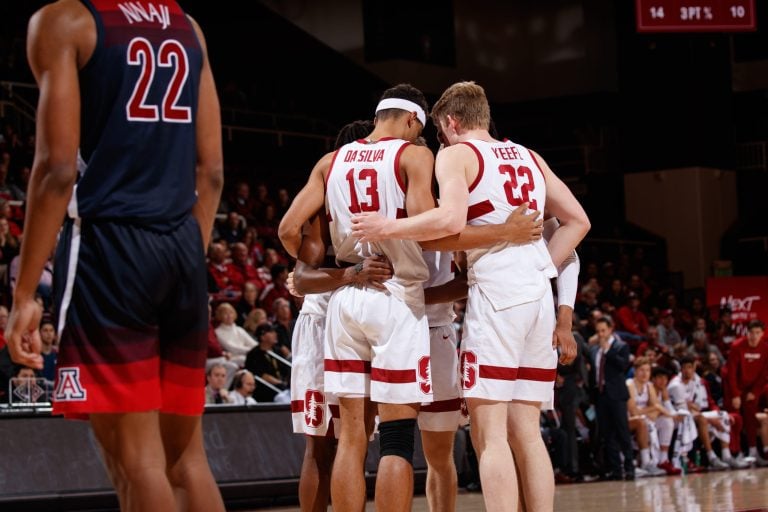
{"x":60,"y":14}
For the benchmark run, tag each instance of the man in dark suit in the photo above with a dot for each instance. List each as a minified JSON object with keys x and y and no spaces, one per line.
{"x":610,"y":361}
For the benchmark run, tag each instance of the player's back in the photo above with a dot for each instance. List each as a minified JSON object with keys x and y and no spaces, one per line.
{"x":508,"y":176}
{"x":364,"y":177}
{"x":139,"y":93}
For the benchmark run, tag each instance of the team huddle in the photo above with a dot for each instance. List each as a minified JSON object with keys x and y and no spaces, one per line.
{"x":383,"y":312}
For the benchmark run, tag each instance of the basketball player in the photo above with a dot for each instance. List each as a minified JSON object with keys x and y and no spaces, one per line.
{"x":508,"y":362}
{"x":134,"y":93}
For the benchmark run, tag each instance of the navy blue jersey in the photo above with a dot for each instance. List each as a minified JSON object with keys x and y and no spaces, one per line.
{"x":139,"y":94}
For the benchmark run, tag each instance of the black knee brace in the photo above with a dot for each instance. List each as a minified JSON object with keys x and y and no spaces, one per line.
{"x":396,"y":438}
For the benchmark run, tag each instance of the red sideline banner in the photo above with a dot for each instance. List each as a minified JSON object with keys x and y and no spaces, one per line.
{"x":746,"y":296}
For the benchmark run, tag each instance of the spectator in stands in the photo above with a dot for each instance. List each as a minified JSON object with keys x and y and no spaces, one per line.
{"x":262,"y":200}
{"x":725,"y":333}
{"x":747,"y":378}
{"x":271,"y":258}
{"x":233,"y":338}
{"x":6,"y":212}
{"x":49,"y":350}
{"x":219,"y":271}
{"x":638,"y":287}
{"x":631,"y":323}
{"x":9,"y":245}
{"x":261,"y":362}
{"x":688,"y":392}
{"x":283,"y":324}
{"x":242,"y":388}
{"x":217,"y":355}
{"x":24,"y":387}
{"x":683,"y":318}
{"x":701,"y":348}
{"x":242,"y":203}
{"x":8,"y":191}
{"x":283,"y":202}
{"x":255,"y":248}
{"x":215,"y":391}
{"x":44,"y":286}
{"x":699,"y":310}
{"x":254,"y":319}
{"x":610,"y":360}
{"x":267,"y":227}
{"x":666,"y":420}
{"x":644,"y":409}
{"x":242,"y":270}
{"x":668,"y":335}
{"x":233,"y":229}
{"x":613,"y":297}
{"x":277,"y":289}
{"x":247,"y":303}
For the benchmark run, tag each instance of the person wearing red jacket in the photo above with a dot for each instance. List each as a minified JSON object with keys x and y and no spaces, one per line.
{"x":630,"y":318}
{"x":747,"y":377}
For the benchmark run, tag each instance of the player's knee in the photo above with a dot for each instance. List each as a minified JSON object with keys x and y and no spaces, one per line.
{"x":396,"y":437}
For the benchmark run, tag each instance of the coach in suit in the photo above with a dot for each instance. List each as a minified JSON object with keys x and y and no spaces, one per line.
{"x":610,"y":361}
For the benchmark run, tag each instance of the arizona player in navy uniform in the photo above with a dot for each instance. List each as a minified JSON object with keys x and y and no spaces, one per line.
{"x":128,"y":84}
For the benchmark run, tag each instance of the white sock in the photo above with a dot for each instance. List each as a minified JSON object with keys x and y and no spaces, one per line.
{"x":726,"y":453}
{"x":753,"y":451}
{"x":645,"y":457}
{"x":664,"y":455}
{"x":711,"y":455}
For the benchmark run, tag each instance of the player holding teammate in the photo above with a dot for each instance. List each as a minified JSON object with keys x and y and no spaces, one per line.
{"x":508,"y":363}
{"x":135,"y":94}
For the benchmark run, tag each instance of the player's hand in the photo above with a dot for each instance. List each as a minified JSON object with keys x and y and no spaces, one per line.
{"x":372,"y":271}
{"x":523,"y":227}
{"x":564,"y":340}
{"x":736,"y":402}
{"x":23,"y":335}
{"x":370,"y":226}
{"x":291,"y":287}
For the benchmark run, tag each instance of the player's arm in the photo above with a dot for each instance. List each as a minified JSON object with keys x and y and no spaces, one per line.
{"x":520,"y":227}
{"x":428,"y":223}
{"x":209,"y":180}
{"x":574,"y":223}
{"x":453,"y":290}
{"x":307,"y":203}
{"x":54,"y":56}
{"x":310,"y":278}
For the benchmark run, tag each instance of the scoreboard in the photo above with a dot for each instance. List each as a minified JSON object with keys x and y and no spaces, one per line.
{"x":695,"y":15}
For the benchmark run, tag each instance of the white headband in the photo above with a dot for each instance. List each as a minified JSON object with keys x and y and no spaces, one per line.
{"x":402,"y":104}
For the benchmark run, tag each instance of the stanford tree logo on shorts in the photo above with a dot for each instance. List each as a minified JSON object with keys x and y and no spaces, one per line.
{"x":468,"y":369}
{"x":425,"y":378}
{"x":314,"y":401}
{"x":68,"y":388}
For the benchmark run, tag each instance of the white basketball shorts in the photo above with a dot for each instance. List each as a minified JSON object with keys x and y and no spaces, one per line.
{"x":444,"y":413}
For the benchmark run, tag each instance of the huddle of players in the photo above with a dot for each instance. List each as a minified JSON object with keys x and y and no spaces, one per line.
{"x":388,"y":345}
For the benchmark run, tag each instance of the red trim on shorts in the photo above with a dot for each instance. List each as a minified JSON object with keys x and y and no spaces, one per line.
{"x":480,"y":163}
{"x":347,"y":366}
{"x":401,"y":213}
{"x":523,"y":373}
{"x":399,"y":178}
{"x":335,"y":411}
{"x":454,"y":404}
{"x":393,"y":376}
{"x":479,"y":209}
{"x":330,"y":168}
{"x":297,"y":406}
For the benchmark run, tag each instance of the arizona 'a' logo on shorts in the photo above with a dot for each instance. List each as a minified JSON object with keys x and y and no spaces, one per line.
{"x":314,"y":402}
{"x":425,"y":376}
{"x":68,"y":387}
{"x":468,"y":369}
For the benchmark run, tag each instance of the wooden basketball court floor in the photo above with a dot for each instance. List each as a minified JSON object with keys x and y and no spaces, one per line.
{"x":727,"y":491}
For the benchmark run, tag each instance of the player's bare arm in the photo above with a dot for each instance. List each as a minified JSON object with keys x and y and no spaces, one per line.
{"x":574,"y":223}
{"x":309,"y":277}
{"x":520,"y":227}
{"x":451,"y":169}
{"x":61,"y":39}
{"x":209,"y":180}
{"x":307,"y":203}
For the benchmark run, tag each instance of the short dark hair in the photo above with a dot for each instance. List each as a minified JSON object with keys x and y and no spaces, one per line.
{"x":405,"y":92}
{"x":263,"y":328}
{"x":353,"y":131}
{"x":277,"y":269}
{"x":687,"y":360}
{"x":755,"y":324}
{"x":659,"y":370}
{"x":605,"y":319}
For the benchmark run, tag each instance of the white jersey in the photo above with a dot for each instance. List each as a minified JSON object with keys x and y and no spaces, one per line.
{"x":642,"y":396}
{"x":316,"y":304}
{"x":364,"y":177}
{"x":439,"y":265}
{"x":692,"y":391}
{"x":508,"y":176}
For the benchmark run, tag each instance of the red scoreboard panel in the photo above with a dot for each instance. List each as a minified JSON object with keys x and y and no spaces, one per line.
{"x":695,"y":15}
